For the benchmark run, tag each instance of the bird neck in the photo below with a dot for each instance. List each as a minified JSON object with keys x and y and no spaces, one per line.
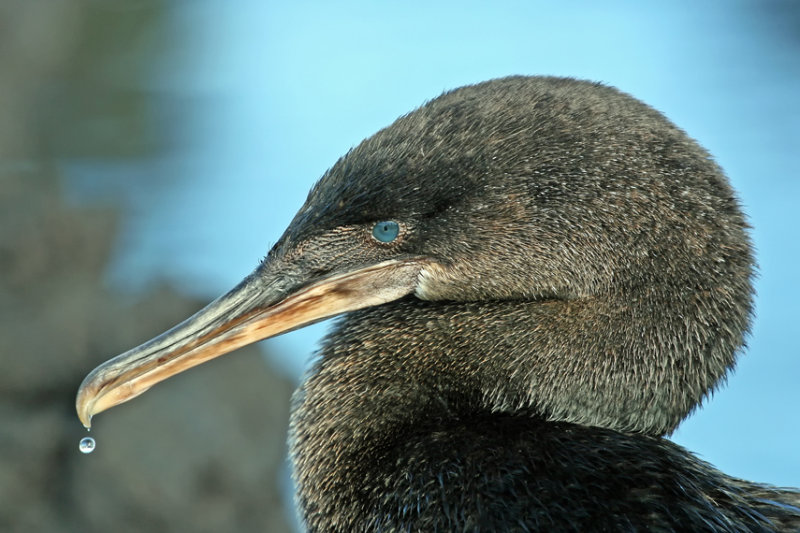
{"x":632,"y":364}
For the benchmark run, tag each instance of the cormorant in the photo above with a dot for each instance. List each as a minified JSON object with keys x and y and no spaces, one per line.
{"x":541,"y":278}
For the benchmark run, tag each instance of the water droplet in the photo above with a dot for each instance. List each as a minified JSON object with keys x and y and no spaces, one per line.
{"x":87,"y":445}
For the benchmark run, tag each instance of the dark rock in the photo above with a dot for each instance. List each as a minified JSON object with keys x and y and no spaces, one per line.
{"x":204,"y":453}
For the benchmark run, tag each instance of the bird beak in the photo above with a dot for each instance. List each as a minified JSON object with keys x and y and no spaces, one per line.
{"x":258,"y":308}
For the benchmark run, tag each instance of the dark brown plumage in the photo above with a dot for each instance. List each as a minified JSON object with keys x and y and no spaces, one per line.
{"x":570,"y":278}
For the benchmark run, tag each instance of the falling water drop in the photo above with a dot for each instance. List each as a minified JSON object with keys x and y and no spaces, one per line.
{"x":87,"y":445}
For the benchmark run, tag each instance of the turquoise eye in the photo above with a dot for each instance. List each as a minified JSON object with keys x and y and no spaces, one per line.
{"x":386,"y":231}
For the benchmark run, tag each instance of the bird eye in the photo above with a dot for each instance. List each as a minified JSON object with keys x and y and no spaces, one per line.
{"x":386,"y":231}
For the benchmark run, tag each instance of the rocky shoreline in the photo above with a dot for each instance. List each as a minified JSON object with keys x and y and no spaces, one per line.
{"x":203,"y":453}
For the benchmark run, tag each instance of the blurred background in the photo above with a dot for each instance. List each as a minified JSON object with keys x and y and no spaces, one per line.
{"x":152,"y":150}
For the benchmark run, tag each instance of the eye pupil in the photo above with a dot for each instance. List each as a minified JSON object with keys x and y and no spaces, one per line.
{"x":386,"y":231}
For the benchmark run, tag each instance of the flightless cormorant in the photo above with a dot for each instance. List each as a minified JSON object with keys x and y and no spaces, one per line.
{"x":541,"y":278}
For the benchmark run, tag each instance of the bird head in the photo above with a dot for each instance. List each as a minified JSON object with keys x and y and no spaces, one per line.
{"x":518,"y":189}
